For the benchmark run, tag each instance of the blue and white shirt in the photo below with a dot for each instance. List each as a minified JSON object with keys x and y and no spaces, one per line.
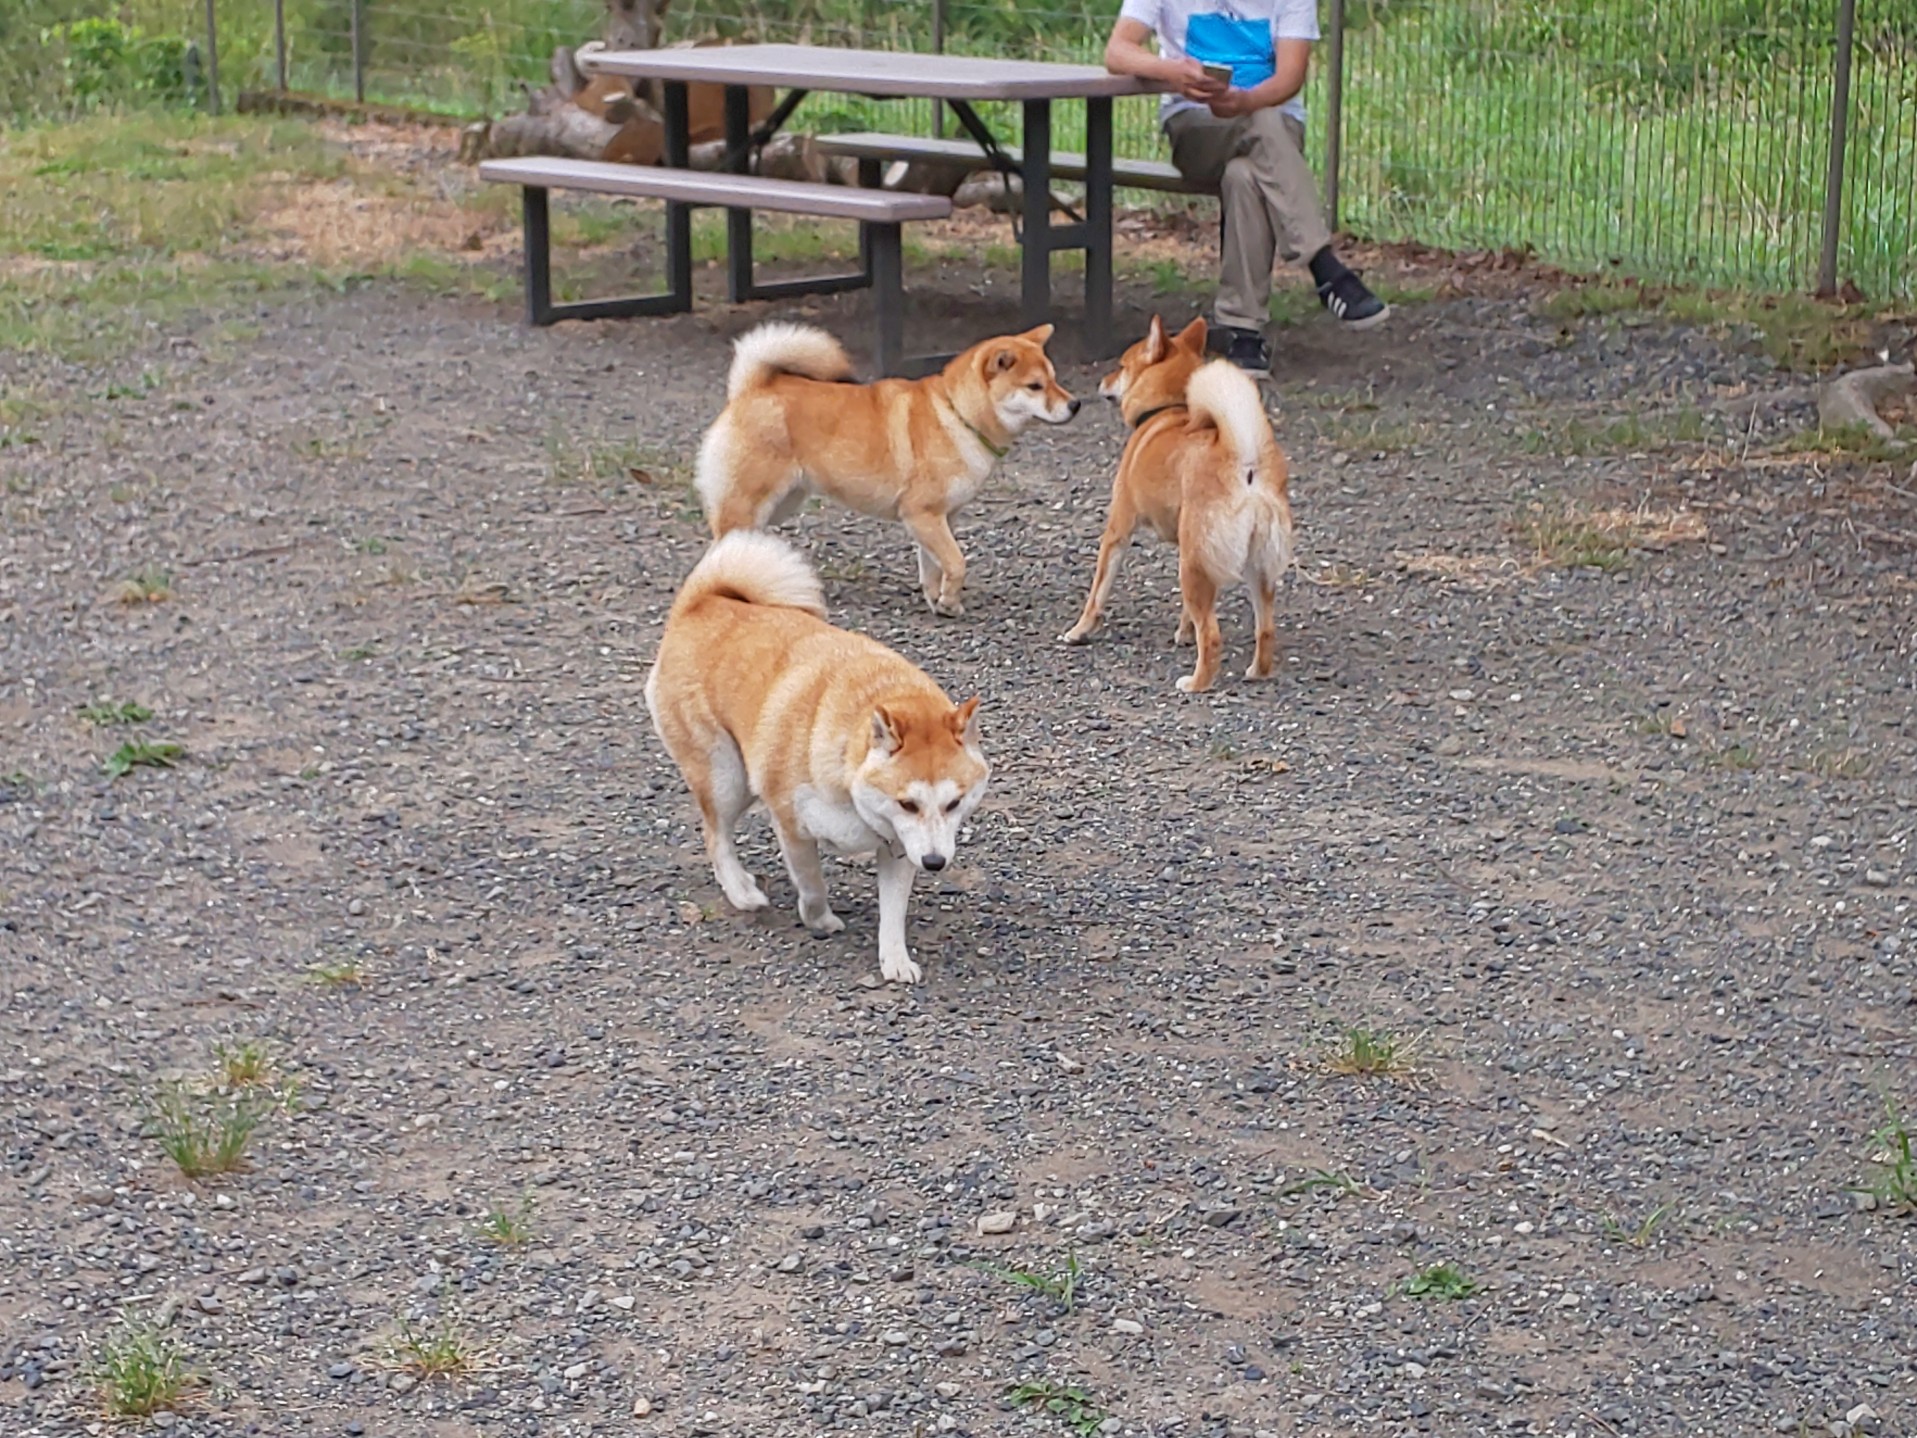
{"x":1240,"y":33}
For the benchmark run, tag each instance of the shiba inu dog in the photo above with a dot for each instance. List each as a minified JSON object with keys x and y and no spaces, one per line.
{"x":912,"y":450}
{"x":846,"y":744}
{"x":1203,"y":469}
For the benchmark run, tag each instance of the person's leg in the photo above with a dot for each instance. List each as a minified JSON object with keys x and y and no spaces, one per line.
{"x":1210,"y":152}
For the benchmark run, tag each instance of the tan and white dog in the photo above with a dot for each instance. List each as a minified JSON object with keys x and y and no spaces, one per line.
{"x":912,"y":450}
{"x":1203,"y":469}
{"x":846,"y":744}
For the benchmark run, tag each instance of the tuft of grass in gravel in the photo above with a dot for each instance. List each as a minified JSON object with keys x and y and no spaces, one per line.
{"x":248,"y":1064}
{"x":337,"y":974}
{"x":1071,"y":1406}
{"x":1363,"y":1052}
{"x":1570,"y":540}
{"x":510,"y":1227}
{"x":205,"y":1133}
{"x":1061,"y":1285}
{"x":1444,"y":1281}
{"x":105,"y":714}
{"x":1894,"y":1185}
{"x":141,"y":1371}
{"x":438,"y":1351}
{"x":142,"y":754}
{"x":147,"y":586}
{"x":1321,"y":1180}
{"x":1640,"y":1235}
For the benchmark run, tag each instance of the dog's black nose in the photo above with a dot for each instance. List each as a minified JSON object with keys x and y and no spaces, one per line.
{"x":1072,"y":408}
{"x":933,"y":863}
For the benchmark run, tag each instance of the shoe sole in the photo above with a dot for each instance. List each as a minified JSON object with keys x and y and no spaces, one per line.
{"x":1369,"y":322}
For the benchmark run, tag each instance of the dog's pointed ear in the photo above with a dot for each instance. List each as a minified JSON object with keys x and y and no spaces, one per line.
{"x":1004,"y":360}
{"x":1192,"y":337}
{"x":886,"y":738}
{"x":1039,"y":336}
{"x":1155,"y":341}
{"x":965,"y":720}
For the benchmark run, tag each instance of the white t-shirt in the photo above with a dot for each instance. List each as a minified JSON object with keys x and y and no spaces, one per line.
{"x":1240,"y":33}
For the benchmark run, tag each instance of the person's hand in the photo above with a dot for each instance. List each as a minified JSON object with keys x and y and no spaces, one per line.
{"x":1194,"y":84}
{"x":1232,"y":103}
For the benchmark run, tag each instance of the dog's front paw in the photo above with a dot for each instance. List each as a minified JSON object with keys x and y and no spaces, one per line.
{"x":948,"y":608}
{"x":1258,"y":671}
{"x":823,"y":924}
{"x":747,"y":898}
{"x":1077,"y":634}
{"x":899,"y":970}
{"x":1188,"y":684}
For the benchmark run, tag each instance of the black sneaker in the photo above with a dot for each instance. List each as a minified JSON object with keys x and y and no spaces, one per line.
{"x":1348,"y":300}
{"x":1247,"y":349}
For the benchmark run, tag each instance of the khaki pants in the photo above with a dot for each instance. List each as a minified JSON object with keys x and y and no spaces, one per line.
{"x":1270,"y":200}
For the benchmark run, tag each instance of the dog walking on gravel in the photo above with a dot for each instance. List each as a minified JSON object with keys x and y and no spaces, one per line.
{"x":848,"y":745}
{"x":912,"y":450}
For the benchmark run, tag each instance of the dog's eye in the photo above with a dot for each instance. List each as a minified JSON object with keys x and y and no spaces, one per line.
{"x":952,"y":808}
{"x":1036,"y":385}
{"x":910,"y":806}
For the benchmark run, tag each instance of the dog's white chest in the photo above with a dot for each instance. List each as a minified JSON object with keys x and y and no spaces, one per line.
{"x":835,"y":825}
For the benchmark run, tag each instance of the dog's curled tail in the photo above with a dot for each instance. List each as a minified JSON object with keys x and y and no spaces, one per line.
{"x":755,"y":568}
{"x":777,"y":349}
{"x":1225,"y":397}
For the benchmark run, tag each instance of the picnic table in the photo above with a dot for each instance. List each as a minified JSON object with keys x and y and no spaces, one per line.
{"x":961,"y":82}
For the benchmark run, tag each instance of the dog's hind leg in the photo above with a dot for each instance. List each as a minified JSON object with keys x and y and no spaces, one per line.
{"x":1119,"y":525}
{"x":808,"y":874}
{"x":725,"y":795}
{"x":934,"y":534}
{"x":1264,"y":596}
{"x":1201,"y":609}
{"x":1184,"y":634}
{"x":895,"y":897}
{"x":931,"y":577}
{"x":754,"y":490}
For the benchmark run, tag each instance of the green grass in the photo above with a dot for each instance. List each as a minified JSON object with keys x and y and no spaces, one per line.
{"x":1073,"y":1407}
{"x":1631,"y":433}
{"x":205,"y":1132}
{"x":246,"y":1064}
{"x":142,"y":754}
{"x":337,"y":974}
{"x":1363,"y":1052}
{"x":1894,"y":1184}
{"x":1640,"y":1234}
{"x":1060,"y":1285}
{"x":147,"y":586}
{"x":508,"y":1227}
{"x":438,"y":1350}
{"x":1444,"y":1281}
{"x":1321,"y":1180}
{"x":1564,"y":537}
{"x":105,"y":714}
{"x":140,"y":1371}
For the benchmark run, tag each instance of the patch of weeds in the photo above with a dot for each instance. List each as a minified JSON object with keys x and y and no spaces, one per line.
{"x":1321,"y":1180}
{"x":359,"y":652}
{"x":205,"y":1133}
{"x":370,"y":544}
{"x":1445,"y":1281}
{"x":1639,"y":1236}
{"x":248,"y":1064}
{"x":1376,"y":433}
{"x":510,"y":1227}
{"x":1576,"y":302}
{"x":1071,"y":1406}
{"x":1848,"y":762}
{"x":1796,"y":331}
{"x":148,"y":586}
{"x":1570,"y":540}
{"x":141,"y":1371}
{"x":1633,"y":433}
{"x":1060,"y":1286}
{"x":1894,"y":1185}
{"x":1167,"y":277}
{"x":337,"y":974}
{"x":842,"y":571}
{"x":1854,"y":441}
{"x":17,"y":784}
{"x":1293,"y":304}
{"x":142,"y":753}
{"x":439,"y":1351}
{"x":104,"y":713}
{"x":1363,"y":1052}
{"x":1733,"y":756}
{"x":1664,"y":723}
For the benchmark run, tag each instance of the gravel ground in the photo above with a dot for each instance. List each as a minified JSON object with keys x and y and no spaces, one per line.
{"x":1623,"y":855}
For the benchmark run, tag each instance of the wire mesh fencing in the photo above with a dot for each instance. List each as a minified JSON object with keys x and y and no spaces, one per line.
{"x":1762,"y":143}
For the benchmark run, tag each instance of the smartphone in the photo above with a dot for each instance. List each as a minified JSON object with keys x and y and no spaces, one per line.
{"x":1219,"y":73}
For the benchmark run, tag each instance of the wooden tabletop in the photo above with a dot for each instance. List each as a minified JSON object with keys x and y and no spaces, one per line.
{"x":894,"y":73}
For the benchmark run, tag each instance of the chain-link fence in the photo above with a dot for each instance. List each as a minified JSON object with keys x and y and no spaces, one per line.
{"x":1683,"y":142}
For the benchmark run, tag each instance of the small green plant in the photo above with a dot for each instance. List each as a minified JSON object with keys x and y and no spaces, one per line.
{"x":1071,"y":1406}
{"x":142,"y":753}
{"x":1366,"y":1052}
{"x":337,"y":974}
{"x":1842,"y":763}
{"x":205,"y":1133}
{"x":1061,"y":1286}
{"x":1321,"y":1180}
{"x":244,"y":1065}
{"x":438,"y":1351}
{"x":359,"y":652}
{"x":370,"y":544}
{"x":148,"y":586}
{"x":1733,"y":756}
{"x":141,"y":1371}
{"x":1895,"y":1184}
{"x":105,"y":714}
{"x":1571,"y":541}
{"x":1641,"y":1235}
{"x":1441,"y":1280}
{"x":16,"y":784}
{"x":511,"y":1227}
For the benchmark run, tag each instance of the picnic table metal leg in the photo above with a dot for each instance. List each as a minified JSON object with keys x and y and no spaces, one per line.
{"x":1035,"y":279}
{"x":884,"y":243}
{"x":538,"y":233}
{"x":678,"y":216}
{"x":738,"y":222}
{"x":1098,"y":225}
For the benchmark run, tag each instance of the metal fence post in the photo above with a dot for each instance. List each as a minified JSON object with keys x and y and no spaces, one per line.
{"x":359,"y":51}
{"x":938,"y":48}
{"x":212,"y":61}
{"x":279,"y":42}
{"x":1335,"y":110}
{"x":1839,"y":134}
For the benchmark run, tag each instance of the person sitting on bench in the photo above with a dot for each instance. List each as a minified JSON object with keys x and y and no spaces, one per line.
{"x":1236,"y":121}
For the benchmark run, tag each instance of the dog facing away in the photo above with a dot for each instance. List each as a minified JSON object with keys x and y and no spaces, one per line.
{"x":1204,"y":471}
{"x":846,"y":744}
{"x":912,"y":450}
